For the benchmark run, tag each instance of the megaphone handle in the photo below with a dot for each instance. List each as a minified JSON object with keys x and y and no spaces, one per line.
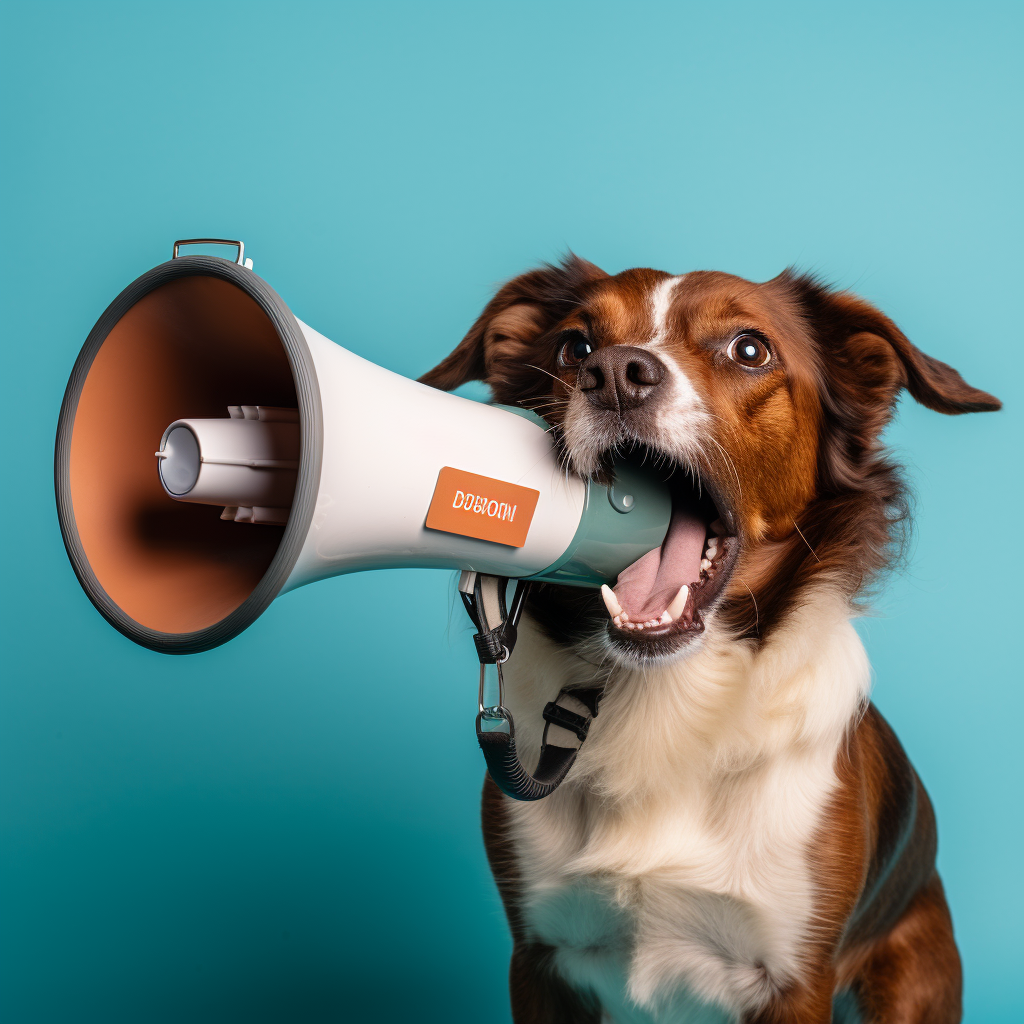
{"x":494,"y":645}
{"x":503,"y":762}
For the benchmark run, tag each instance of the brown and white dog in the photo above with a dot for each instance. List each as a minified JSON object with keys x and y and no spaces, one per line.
{"x":742,"y":836}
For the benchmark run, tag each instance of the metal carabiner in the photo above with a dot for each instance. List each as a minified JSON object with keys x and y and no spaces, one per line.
{"x":490,"y":672}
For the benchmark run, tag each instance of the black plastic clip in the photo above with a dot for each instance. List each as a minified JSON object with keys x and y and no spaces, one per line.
{"x":495,"y":646}
{"x":557,"y":715}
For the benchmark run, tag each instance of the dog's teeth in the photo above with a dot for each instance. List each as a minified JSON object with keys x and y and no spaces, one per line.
{"x":705,"y":564}
{"x":712,"y":550}
{"x":665,"y":618}
{"x":611,"y":602}
{"x":630,"y":625}
{"x":675,"y":609}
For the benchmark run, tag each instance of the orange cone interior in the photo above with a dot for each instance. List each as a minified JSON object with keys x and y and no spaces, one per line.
{"x":190,"y":348}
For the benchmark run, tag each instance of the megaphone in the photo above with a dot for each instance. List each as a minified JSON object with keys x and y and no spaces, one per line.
{"x":214,"y":452}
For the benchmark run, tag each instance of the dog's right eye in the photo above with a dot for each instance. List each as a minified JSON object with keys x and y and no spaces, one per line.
{"x":575,"y":348}
{"x":750,"y":351}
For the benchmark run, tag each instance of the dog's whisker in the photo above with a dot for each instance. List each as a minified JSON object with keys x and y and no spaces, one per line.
{"x":757,"y":618}
{"x":796,"y":526}
{"x":570,"y":387}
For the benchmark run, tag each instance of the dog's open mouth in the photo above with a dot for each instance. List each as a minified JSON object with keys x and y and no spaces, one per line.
{"x":660,"y":601}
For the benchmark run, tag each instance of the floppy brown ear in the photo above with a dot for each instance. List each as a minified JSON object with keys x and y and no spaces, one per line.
{"x":866,"y":361}
{"x":524,"y":309}
{"x":880,"y":359}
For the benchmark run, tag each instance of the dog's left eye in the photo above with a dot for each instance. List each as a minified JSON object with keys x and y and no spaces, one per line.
{"x":575,"y":348}
{"x":750,"y":351}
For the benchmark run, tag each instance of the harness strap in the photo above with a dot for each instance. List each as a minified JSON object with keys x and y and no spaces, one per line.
{"x":569,"y":715}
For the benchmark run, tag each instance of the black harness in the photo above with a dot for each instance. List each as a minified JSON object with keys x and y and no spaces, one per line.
{"x":570,"y":712}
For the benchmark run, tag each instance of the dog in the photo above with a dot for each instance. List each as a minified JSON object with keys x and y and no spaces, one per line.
{"x":742,"y":837}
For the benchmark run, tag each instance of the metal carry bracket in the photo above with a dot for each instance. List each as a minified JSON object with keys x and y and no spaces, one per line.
{"x":239,"y":245}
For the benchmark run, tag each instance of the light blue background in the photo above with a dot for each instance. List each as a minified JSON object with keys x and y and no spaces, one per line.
{"x":217,"y":838}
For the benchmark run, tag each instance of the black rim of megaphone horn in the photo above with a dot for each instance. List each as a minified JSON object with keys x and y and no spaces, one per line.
{"x":311,"y":433}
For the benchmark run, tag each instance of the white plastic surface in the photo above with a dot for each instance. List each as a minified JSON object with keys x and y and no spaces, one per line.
{"x":385,"y":439}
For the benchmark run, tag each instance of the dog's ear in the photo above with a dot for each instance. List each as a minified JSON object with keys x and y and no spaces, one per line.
{"x":866,"y":361}
{"x":874,"y":355}
{"x":524,"y":309}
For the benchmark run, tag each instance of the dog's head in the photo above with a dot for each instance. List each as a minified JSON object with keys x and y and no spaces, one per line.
{"x":764,"y":403}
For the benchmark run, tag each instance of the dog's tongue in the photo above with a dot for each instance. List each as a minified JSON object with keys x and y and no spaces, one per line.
{"x":645,"y":588}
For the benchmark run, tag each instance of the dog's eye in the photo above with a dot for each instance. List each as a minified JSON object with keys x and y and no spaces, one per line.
{"x":750,"y":351}
{"x":575,"y":348}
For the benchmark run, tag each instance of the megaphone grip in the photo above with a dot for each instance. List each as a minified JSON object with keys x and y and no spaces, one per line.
{"x":504,"y":764}
{"x":508,"y":772}
{"x":484,"y":598}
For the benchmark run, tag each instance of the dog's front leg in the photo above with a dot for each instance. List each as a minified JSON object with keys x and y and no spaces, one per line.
{"x":540,"y":996}
{"x":807,"y":1003}
{"x":912,"y":974}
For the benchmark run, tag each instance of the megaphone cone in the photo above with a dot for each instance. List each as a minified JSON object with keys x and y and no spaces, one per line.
{"x":214,"y":452}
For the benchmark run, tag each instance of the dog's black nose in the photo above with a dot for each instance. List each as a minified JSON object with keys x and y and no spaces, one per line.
{"x":620,"y":377}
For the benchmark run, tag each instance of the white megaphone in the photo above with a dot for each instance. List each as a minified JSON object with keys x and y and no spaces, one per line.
{"x":214,"y":452}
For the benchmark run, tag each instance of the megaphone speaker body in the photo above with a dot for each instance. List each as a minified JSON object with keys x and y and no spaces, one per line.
{"x":213,"y":452}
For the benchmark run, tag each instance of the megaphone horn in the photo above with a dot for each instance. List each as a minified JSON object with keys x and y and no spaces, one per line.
{"x":213,"y":452}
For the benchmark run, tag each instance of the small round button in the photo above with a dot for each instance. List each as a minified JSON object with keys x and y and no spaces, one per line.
{"x":621,"y":500}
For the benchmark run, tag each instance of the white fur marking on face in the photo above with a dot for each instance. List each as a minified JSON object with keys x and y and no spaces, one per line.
{"x":671,"y":867}
{"x":661,"y":300}
{"x":682,"y":420}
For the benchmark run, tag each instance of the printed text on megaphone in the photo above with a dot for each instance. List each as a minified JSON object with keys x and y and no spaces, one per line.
{"x":480,"y":506}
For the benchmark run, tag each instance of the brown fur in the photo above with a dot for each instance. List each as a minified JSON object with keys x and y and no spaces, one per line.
{"x":799,"y":457}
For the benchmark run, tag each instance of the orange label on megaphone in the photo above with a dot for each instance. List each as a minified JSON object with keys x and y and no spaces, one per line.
{"x":481,"y":507}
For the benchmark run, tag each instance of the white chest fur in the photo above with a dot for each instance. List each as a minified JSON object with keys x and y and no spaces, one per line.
{"x":670,"y":871}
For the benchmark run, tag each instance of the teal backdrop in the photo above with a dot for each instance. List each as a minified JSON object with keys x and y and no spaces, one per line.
{"x":221,"y":838}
